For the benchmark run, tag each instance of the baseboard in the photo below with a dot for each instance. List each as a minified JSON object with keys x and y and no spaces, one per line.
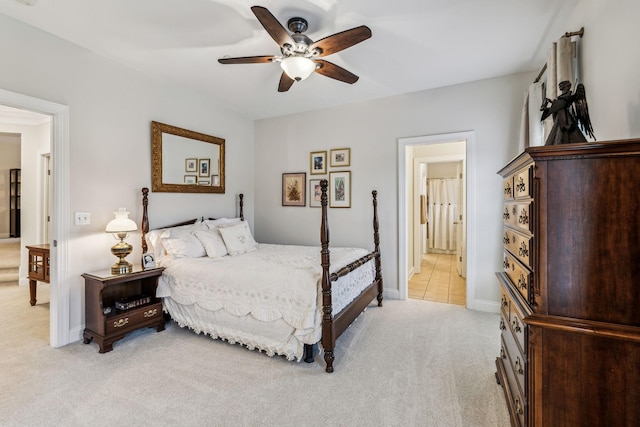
{"x":75,"y":334}
{"x":391,"y":294}
{"x":485,"y":306}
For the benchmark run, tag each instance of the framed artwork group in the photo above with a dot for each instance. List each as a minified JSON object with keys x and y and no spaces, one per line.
{"x":294,"y":187}
{"x":198,"y":171}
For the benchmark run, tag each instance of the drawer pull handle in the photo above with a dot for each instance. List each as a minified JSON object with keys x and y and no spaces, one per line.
{"x":120,"y":323}
{"x":516,"y":325}
{"x":524,"y":217}
{"x":151,"y":313}
{"x":506,"y":215}
{"x":506,"y":239}
{"x":518,"y":366}
{"x":518,"y":406}
{"x":507,"y":190}
{"x":523,"y":251}
{"x":522,"y":283}
{"x":504,"y":301}
{"x":502,"y":327}
{"x":502,"y":353}
{"x":521,"y":187}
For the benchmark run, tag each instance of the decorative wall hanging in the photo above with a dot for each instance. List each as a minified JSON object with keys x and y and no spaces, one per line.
{"x":293,"y":189}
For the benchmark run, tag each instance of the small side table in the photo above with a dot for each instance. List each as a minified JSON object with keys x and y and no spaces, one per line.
{"x":38,"y":268}
{"x":105,"y":322}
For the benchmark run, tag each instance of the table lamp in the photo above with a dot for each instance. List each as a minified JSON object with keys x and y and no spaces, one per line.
{"x":120,"y":227}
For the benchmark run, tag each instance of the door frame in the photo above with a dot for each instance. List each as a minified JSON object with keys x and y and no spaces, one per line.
{"x":405,"y":162}
{"x":59,"y":239}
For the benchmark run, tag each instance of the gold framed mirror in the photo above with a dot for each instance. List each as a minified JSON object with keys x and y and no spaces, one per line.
{"x":184,"y":161}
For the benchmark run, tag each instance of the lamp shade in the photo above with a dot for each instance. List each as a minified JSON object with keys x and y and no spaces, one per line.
{"x":298,"y":67}
{"x":121,"y":223}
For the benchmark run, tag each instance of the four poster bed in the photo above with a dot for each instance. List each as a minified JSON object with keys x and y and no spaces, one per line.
{"x":280,"y":299}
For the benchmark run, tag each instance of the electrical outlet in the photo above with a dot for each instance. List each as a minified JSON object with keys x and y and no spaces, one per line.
{"x":82,"y":218}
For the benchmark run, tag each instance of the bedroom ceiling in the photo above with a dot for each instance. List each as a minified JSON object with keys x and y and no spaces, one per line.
{"x":416,"y":44}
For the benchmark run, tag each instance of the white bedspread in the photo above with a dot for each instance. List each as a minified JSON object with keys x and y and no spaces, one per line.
{"x":275,"y":282}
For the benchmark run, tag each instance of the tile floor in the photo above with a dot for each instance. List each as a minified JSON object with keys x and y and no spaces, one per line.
{"x":438,"y":281}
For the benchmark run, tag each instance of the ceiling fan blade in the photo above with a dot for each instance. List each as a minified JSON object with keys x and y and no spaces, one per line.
{"x":247,"y":60}
{"x":273,"y":27}
{"x":285,"y":83}
{"x":341,"y":41}
{"x":329,"y":69}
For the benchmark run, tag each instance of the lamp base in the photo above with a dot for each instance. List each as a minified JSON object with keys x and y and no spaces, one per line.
{"x":122,"y":267}
{"x":121,"y":250}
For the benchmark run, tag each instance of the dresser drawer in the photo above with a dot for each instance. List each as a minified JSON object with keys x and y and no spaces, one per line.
{"x":505,"y":301}
{"x":123,"y":321}
{"x":518,"y":215}
{"x":507,"y":188}
{"x":519,"y":275}
{"x":519,"y":245}
{"x":515,"y":359}
{"x":517,"y":405}
{"x":522,"y":183}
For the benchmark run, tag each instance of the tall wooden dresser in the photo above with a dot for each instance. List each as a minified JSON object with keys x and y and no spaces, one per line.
{"x":570,"y":303}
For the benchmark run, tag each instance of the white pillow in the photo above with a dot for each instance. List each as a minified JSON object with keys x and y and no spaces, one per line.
{"x":184,"y":246}
{"x":154,"y":241}
{"x":212,"y":242}
{"x":238,"y":239}
{"x":221,"y":222}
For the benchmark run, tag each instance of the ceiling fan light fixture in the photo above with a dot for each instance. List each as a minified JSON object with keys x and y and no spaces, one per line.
{"x":298,"y":67}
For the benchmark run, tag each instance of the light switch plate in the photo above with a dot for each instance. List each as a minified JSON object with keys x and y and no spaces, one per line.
{"x":82,"y":218}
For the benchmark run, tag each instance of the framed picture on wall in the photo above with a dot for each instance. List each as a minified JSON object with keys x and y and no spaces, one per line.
{"x":204,"y":168}
{"x":190,"y":179}
{"x":318,"y":163}
{"x":340,"y":189}
{"x":293,"y":189}
{"x":315,"y":193}
{"x":340,"y":157}
{"x":191,"y":165}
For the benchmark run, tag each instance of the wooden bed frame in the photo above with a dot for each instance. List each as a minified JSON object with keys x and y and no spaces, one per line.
{"x":332,"y":326}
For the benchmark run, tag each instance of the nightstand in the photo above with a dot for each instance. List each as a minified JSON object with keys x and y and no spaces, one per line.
{"x":118,"y":304}
{"x":38,"y":268}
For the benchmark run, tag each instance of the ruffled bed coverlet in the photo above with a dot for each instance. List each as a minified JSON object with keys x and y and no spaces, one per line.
{"x":268,"y":299}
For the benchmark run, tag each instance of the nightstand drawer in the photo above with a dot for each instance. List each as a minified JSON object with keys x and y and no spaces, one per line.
{"x":133,"y":318}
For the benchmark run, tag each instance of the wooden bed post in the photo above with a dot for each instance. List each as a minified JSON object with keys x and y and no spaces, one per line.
{"x":376,"y":243}
{"x":328,"y":332}
{"x":145,"y":218}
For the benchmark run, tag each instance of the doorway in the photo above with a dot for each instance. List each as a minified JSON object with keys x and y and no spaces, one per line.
{"x":410,"y":251}
{"x":439,"y":240}
{"x":59,"y":284}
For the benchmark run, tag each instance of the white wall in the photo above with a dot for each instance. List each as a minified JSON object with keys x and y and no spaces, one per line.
{"x":610,"y":65}
{"x":9,"y":159}
{"x":110,"y":110}
{"x":491,"y":108}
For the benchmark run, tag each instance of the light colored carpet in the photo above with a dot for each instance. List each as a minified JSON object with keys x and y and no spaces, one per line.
{"x":410,"y":363}
{"x":9,"y":260}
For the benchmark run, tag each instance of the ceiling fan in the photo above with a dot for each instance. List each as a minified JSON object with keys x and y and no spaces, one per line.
{"x":299,"y":53}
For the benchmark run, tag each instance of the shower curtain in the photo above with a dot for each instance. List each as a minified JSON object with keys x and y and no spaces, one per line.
{"x":443,"y":203}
